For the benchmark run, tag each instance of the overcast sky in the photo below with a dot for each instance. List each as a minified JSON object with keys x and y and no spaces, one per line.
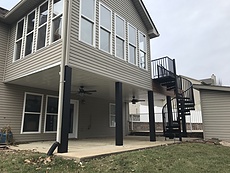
{"x":194,"y":32}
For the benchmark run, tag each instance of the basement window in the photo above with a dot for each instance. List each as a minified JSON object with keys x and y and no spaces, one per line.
{"x":51,"y":114}
{"x":31,"y":120}
{"x":112,"y":115}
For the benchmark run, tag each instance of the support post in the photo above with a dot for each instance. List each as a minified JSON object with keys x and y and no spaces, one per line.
{"x":151,"y":117}
{"x":170,"y":114}
{"x":184,"y":126}
{"x":63,"y":147}
{"x":119,"y":112}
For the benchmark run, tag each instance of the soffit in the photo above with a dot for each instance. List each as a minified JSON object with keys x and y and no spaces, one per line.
{"x":49,"y":80}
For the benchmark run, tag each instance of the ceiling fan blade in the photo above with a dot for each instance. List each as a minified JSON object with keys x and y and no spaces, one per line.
{"x":141,"y":100}
{"x":90,"y":91}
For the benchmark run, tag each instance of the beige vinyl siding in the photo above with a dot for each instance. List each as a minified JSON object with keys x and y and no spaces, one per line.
{"x":11,"y":112}
{"x":12,"y":98}
{"x":32,"y":63}
{"x":92,"y":59}
{"x":216,"y":114}
{"x":39,"y":60}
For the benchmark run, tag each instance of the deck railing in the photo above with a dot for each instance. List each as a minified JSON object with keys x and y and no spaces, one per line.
{"x":162,"y":67}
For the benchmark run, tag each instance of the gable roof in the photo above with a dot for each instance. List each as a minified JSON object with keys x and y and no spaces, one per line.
{"x":16,"y":14}
{"x":152,"y":30}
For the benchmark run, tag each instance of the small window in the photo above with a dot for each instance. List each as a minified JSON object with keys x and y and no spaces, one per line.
{"x":57,"y":20}
{"x":51,"y":114}
{"x":87,"y":24}
{"x":19,"y":38}
{"x":32,"y":113}
{"x":142,"y":51}
{"x":120,"y":37}
{"x":30,"y":33}
{"x":105,"y":28}
{"x":112,"y":115}
{"x":42,"y":25}
{"x":132,"y":44}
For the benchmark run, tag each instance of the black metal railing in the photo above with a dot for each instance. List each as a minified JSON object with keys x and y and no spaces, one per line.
{"x":185,"y":92}
{"x":162,"y":67}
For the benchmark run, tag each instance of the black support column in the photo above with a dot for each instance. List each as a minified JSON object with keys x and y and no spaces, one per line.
{"x":119,"y":112}
{"x":63,"y":147}
{"x":151,"y":117}
{"x":170,"y":116}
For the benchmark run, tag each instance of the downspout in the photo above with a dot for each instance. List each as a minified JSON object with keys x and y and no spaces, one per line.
{"x":65,"y":26}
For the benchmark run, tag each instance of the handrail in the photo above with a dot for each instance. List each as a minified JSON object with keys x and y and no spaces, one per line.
{"x":164,"y":63}
{"x":185,"y":87}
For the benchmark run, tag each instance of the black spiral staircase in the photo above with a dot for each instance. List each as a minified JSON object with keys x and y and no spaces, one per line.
{"x":176,"y":109}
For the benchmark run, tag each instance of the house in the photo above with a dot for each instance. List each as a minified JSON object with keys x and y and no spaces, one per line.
{"x":215,"y":101}
{"x":70,"y":69}
{"x":67,"y":67}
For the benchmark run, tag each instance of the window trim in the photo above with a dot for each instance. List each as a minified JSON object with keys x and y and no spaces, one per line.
{"x":44,"y":130}
{"x":23,"y":113}
{"x":51,"y":22}
{"x":89,"y":20}
{"x":110,"y":115}
{"x":106,"y":29}
{"x":136,"y":64}
{"x":46,"y":23}
{"x":33,"y":31}
{"x":144,"y":51}
{"x":115,"y":36}
{"x":22,"y":39}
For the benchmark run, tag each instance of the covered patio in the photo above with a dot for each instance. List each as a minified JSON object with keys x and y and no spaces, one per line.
{"x":81,"y":149}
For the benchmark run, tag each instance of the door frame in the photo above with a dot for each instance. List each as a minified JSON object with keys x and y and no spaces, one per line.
{"x":75,"y":119}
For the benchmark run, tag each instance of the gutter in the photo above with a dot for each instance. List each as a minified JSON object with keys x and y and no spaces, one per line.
{"x":65,"y":26}
{"x":64,"y":62}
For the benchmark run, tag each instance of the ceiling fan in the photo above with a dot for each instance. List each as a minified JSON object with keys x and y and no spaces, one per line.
{"x":82,"y":91}
{"x":135,"y":100}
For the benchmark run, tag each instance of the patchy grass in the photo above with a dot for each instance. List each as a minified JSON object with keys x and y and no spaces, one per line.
{"x":177,"y":158}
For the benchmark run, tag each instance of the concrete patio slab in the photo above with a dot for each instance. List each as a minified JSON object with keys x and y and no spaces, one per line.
{"x":81,"y":149}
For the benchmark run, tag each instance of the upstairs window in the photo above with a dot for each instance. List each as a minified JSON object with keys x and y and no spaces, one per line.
{"x":18,"y":40}
{"x":42,"y":25}
{"x":32,"y":113}
{"x":132,"y":44}
{"x":30,"y":33}
{"x":51,"y":114}
{"x":142,"y":51}
{"x":105,"y":28}
{"x":57,"y":20}
{"x":120,"y":37}
{"x":87,"y":23}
